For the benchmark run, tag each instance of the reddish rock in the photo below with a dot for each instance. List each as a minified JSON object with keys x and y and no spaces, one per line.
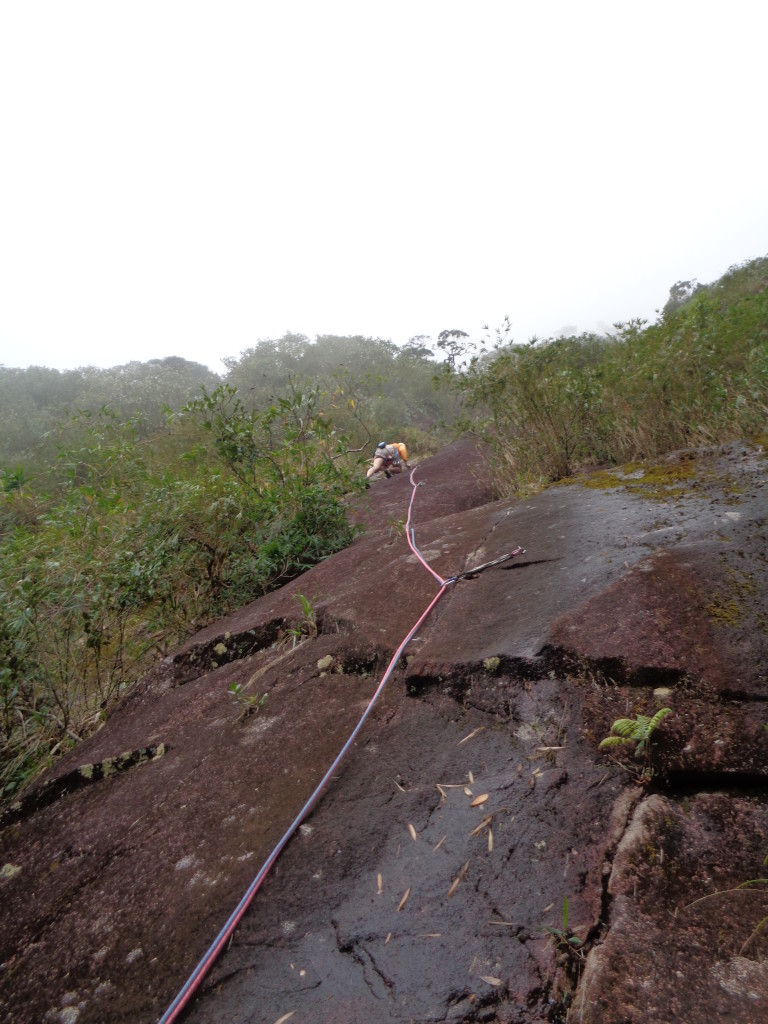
{"x":120,"y":877}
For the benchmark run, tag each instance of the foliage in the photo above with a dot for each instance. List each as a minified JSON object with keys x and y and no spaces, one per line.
{"x":289,"y":463}
{"x":571,"y":957}
{"x":565,"y":939}
{"x":635,"y":730}
{"x":125,"y":526}
{"x":134,"y":547}
{"x":36,"y":402}
{"x":13,"y":479}
{"x":453,"y":346}
{"x":545,"y":396}
{"x":699,"y":375}
{"x":249,"y":703}
{"x":639,"y":731}
{"x":307,"y":625}
{"x":396,"y":527}
{"x":392,"y":388}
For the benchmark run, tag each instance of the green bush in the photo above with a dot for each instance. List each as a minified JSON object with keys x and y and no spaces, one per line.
{"x":129,"y":553}
{"x":698,"y":376}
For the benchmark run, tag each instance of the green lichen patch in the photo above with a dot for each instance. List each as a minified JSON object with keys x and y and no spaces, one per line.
{"x":724,"y":611}
{"x":657,"y":482}
{"x":730,"y":605}
{"x":602,"y":480}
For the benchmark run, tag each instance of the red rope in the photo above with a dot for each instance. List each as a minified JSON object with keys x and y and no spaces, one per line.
{"x":197,"y":975}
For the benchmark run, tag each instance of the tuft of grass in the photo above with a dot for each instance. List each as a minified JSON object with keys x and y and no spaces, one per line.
{"x":249,"y":703}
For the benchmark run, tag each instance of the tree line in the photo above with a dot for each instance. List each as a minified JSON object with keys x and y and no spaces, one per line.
{"x":698,"y":376}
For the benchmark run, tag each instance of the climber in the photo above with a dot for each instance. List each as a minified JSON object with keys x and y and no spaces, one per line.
{"x":389,"y":459}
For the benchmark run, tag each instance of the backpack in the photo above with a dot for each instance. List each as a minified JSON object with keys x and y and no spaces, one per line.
{"x":395,"y":452}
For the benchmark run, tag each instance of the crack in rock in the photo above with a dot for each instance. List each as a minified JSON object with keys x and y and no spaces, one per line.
{"x":85,"y":774}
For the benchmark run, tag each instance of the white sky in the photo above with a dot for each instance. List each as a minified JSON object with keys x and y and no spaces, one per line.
{"x":185,"y":178}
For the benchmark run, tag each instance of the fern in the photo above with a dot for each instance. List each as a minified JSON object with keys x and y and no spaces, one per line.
{"x":635,"y":730}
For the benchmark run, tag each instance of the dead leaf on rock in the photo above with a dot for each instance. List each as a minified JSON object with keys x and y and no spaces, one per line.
{"x":457,"y":879}
{"x":285,"y":1017}
{"x":404,"y":899}
{"x":483,"y":824}
{"x":479,"y":800}
{"x":489,"y":980}
{"x":412,"y":830}
{"x":380,"y":886}
{"x":470,"y":735}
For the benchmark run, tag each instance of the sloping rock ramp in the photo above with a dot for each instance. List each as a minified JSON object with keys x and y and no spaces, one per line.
{"x":477,"y":856}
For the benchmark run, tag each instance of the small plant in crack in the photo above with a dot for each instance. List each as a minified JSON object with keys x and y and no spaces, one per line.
{"x":564,"y":939}
{"x":396,"y":527}
{"x":639,"y":731}
{"x":308,"y":623}
{"x":306,"y":627}
{"x":249,"y":703}
{"x":571,"y":954}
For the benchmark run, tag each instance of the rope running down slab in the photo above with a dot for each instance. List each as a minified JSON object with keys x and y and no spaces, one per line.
{"x":197,"y":975}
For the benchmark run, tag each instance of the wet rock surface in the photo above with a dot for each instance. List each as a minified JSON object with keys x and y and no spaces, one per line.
{"x":429,"y":883}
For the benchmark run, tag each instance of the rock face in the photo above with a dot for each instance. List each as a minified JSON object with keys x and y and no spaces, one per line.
{"x":476,"y":856}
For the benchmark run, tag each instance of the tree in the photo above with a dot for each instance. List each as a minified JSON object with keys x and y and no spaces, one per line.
{"x":453,"y":345}
{"x":679,"y":294}
{"x":417,"y":347}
